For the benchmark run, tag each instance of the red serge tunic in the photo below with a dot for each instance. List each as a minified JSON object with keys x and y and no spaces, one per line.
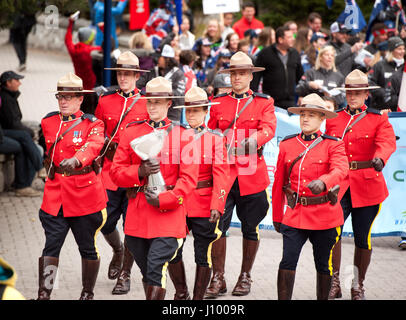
{"x":142,"y":219}
{"x":258,"y":120}
{"x":326,"y":161}
{"x":212,"y":166}
{"x":110,"y":109}
{"x":371,"y":137}
{"x":78,"y":195}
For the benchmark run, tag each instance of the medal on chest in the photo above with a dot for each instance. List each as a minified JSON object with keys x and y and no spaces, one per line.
{"x":77,"y":136}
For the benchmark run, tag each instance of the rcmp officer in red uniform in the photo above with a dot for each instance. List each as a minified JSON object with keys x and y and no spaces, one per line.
{"x":155,"y":225}
{"x":248,"y":121}
{"x":74,"y":195}
{"x":206,"y":203}
{"x":369,"y":141}
{"x":309,"y":170}
{"x":116,"y":109}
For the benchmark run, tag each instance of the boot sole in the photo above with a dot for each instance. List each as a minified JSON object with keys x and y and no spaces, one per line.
{"x":214,"y":296}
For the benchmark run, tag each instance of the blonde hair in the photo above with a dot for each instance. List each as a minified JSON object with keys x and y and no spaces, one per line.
{"x":317,"y":65}
{"x":140,"y":40}
{"x":217,"y":37}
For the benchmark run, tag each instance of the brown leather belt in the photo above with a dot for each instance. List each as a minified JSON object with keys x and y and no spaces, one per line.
{"x":111,"y":150}
{"x":142,"y":188}
{"x":76,"y":172}
{"x":356,"y":165}
{"x":240,"y":151}
{"x":204,"y":184}
{"x":305,"y":201}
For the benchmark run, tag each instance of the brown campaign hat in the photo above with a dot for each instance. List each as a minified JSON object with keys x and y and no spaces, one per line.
{"x":241,"y":61}
{"x":357,"y":80}
{"x":196,"y":97}
{"x":159,"y":88}
{"x":71,"y":83}
{"x":313,"y":102}
{"x":128,"y":61}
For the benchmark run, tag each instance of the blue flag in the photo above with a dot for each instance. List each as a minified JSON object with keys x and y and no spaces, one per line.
{"x":352,"y":17}
{"x":329,"y":3}
{"x":378,"y":7}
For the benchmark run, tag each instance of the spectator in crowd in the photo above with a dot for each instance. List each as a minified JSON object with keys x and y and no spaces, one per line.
{"x":315,"y":22}
{"x":380,"y":35}
{"x":186,"y":39}
{"x":205,"y":62}
{"x":187,"y":59}
{"x":117,"y":10}
{"x":22,"y":26}
{"x":141,"y":46}
{"x":231,"y":42}
{"x":323,"y":78}
{"x":382,"y":72}
{"x":252,"y":38}
{"x":283,"y":69}
{"x":345,"y":53}
{"x":80,"y":52}
{"x":244,"y":46}
{"x":98,"y":64}
{"x":222,"y":84}
{"x":292,"y":26}
{"x":317,"y":41}
{"x":228,"y":18}
{"x":168,"y":68}
{"x":395,"y":90}
{"x":223,"y":62}
{"x":330,"y":103}
{"x":188,"y":13}
{"x":213,"y":34}
{"x":302,"y":44}
{"x":248,"y":20}
{"x":265,"y":38}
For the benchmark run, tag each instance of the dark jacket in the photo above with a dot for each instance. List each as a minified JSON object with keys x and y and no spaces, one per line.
{"x":381,"y":75}
{"x":395,"y":90}
{"x":278,"y":81}
{"x":344,"y":57}
{"x":10,"y":113}
{"x":331,"y":80}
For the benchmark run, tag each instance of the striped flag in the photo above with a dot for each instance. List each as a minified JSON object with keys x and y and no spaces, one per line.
{"x":402,"y":93}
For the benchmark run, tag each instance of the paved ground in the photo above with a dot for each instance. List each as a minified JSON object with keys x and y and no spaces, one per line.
{"x":22,"y":238}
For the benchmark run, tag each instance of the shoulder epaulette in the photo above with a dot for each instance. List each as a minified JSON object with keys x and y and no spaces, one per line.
{"x":325,"y":136}
{"x":89,"y":117}
{"x":216,"y":132}
{"x":183,"y":125}
{"x":133,"y":123}
{"x":221,"y":95}
{"x":261,"y":95}
{"x":372,"y":110}
{"x":289,"y":137}
{"x":53,"y":113}
{"x":341,"y":109}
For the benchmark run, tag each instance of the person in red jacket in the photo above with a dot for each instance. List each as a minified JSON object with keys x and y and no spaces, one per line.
{"x":310,"y":167}
{"x":369,"y":141}
{"x":248,"y":21}
{"x":206,"y":203}
{"x":80,"y":52}
{"x":74,"y":195}
{"x":248,"y":121}
{"x":117,"y":108}
{"x":155,"y":224}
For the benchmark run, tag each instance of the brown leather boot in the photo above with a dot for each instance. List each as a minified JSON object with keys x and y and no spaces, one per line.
{"x":155,"y":293}
{"x":323,"y":286}
{"x":124,"y":279}
{"x":218,"y":283}
{"x":113,"y":239}
{"x":202,"y":279}
{"x":335,"y":290}
{"x":90,"y":270}
{"x":47,"y":268}
{"x":249,"y":251}
{"x":178,"y":276}
{"x":362,"y":258}
{"x":285,"y":283}
{"x":145,"y":286}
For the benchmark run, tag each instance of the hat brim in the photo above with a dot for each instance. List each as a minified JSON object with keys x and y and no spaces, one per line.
{"x":357,"y":89}
{"x":197,"y":105}
{"x":329,"y":114}
{"x":163,"y":97}
{"x":252,"y":69}
{"x":77,"y":91}
{"x":127,"y":69}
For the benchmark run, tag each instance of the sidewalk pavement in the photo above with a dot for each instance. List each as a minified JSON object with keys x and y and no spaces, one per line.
{"x":22,"y":237}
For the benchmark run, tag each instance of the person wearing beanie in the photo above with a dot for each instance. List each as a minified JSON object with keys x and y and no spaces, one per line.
{"x":80,"y":52}
{"x":382,"y":72}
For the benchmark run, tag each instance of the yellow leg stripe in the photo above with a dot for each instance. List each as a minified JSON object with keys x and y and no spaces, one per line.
{"x":218,"y":233}
{"x":330,"y":260}
{"x":104,"y":215}
{"x":165,"y":266}
{"x":370,"y":229}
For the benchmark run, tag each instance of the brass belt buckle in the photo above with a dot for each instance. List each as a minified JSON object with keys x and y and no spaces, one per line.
{"x":353,"y":165}
{"x":66,"y":174}
{"x":303,"y":201}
